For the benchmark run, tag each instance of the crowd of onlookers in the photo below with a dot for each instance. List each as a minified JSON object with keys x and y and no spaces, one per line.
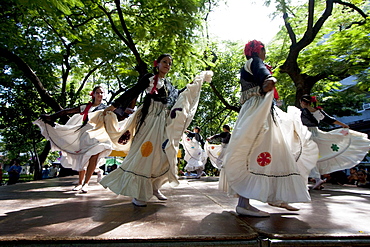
{"x":358,"y":176}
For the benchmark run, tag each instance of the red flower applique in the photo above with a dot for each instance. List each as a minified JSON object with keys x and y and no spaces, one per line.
{"x":264,"y":159}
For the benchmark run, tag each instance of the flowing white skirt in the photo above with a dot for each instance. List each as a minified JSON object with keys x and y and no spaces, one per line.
{"x":78,"y":144}
{"x":339,"y":149}
{"x":216,"y":153}
{"x":269,"y":160}
{"x":152,"y":159}
{"x":195,"y":156}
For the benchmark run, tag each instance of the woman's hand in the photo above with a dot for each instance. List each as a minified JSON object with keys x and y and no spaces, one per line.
{"x":208,"y":76}
{"x":268,"y":84}
{"x":129,"y":111}
{"x":109,"y":108}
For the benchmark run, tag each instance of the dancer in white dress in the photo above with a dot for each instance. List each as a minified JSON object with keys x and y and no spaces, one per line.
{"x":339,"y":149}
{"x":156,"y":129}
{"x":216,"y":152}
{"x":195,"y":156}
{"x":81,"y":144}
{"x":269,"y":154}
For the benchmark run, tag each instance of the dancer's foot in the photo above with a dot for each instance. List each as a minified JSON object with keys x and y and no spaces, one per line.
{"x":138,"y":203}
{"x":159,"y":195}
{"x":85,"y":188}
{"x":318,"y":184}
{"x":77,"y":188}
{"x":283,"y":205}
{"x":251,"y":211}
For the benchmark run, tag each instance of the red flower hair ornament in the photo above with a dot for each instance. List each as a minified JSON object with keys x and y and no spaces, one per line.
{"x":253,"y":46}
{"x":155,"y":63}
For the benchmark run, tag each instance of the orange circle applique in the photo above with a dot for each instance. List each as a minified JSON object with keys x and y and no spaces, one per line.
{"x":146,"y":149}
{"x":264,"y":159}
{"x":212,"y":147}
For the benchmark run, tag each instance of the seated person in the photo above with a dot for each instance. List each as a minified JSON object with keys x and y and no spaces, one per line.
{"x":362,"y":179}
{"x":352,"y":178}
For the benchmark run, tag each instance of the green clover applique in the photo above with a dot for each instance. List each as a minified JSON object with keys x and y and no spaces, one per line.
{"x":334,"y":147}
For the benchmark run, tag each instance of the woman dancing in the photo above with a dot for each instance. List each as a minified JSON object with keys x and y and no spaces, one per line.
{"x":82,"y":145}
{"x":195,"y":156}
{"x":339,"y":149}
{"x":216,"y":153}
{"x":158,"y":127}
{"x":269,"y":154}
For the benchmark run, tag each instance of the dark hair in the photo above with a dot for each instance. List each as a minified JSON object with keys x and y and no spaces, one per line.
{"x":93,"y":91}
{"x":155,"y":68}
{"x":308,"y":99}
{"x":197,"y":128}
{"x":226,"y":127}
{"x":362,"y":171}
{"x":361,"y":167}
{"x":147,"y":99}
{"x":15,"y":161}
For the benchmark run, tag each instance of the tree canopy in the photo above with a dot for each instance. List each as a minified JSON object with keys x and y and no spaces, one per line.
{"x":322,"y":41}
{"x":63,"y":48}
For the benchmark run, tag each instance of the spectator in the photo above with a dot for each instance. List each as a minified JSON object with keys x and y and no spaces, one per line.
{"x":53,"y":171}
{"x":45,"y":172}
{"x":363,"y":168}
{"x":14,"y":171}
{"x":352,"y":178}
{"x":362,"y":179}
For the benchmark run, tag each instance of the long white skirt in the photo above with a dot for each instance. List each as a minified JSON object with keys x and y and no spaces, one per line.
{"x":78,"y":144}
{"x":339,"y":149}
{"x":195,"y":156}
{"x":269,"y":160}
{"x":152,"y":159}
{"x":215,"y":153}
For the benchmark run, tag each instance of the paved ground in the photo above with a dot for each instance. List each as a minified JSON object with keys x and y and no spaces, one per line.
{"x":48,"y":213}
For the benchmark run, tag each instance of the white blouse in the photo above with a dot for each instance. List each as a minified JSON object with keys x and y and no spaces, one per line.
{"x":151,"y":84}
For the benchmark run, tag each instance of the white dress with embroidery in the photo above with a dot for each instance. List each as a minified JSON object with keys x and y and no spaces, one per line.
{"x":78,"y":144}
{"x":339,"y":149}
{"x":269,"y":159}
{"x":195,"y":156}
{"x":152,"y":159}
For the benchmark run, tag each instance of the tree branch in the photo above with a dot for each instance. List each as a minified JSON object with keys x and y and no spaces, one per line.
{"x":85,"y":80}
{"x":311,"y":13}
{"x":220,"y":97}
{"x":28,"y":72}
{"x":289,"y":28}
{"x":142,"y":67}
{"x":114,"y":27}
{"x":352,"y":6}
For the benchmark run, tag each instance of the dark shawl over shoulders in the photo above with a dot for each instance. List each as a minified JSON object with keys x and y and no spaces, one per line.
{"x":310,"y":121}
{"x":260,"y":74}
